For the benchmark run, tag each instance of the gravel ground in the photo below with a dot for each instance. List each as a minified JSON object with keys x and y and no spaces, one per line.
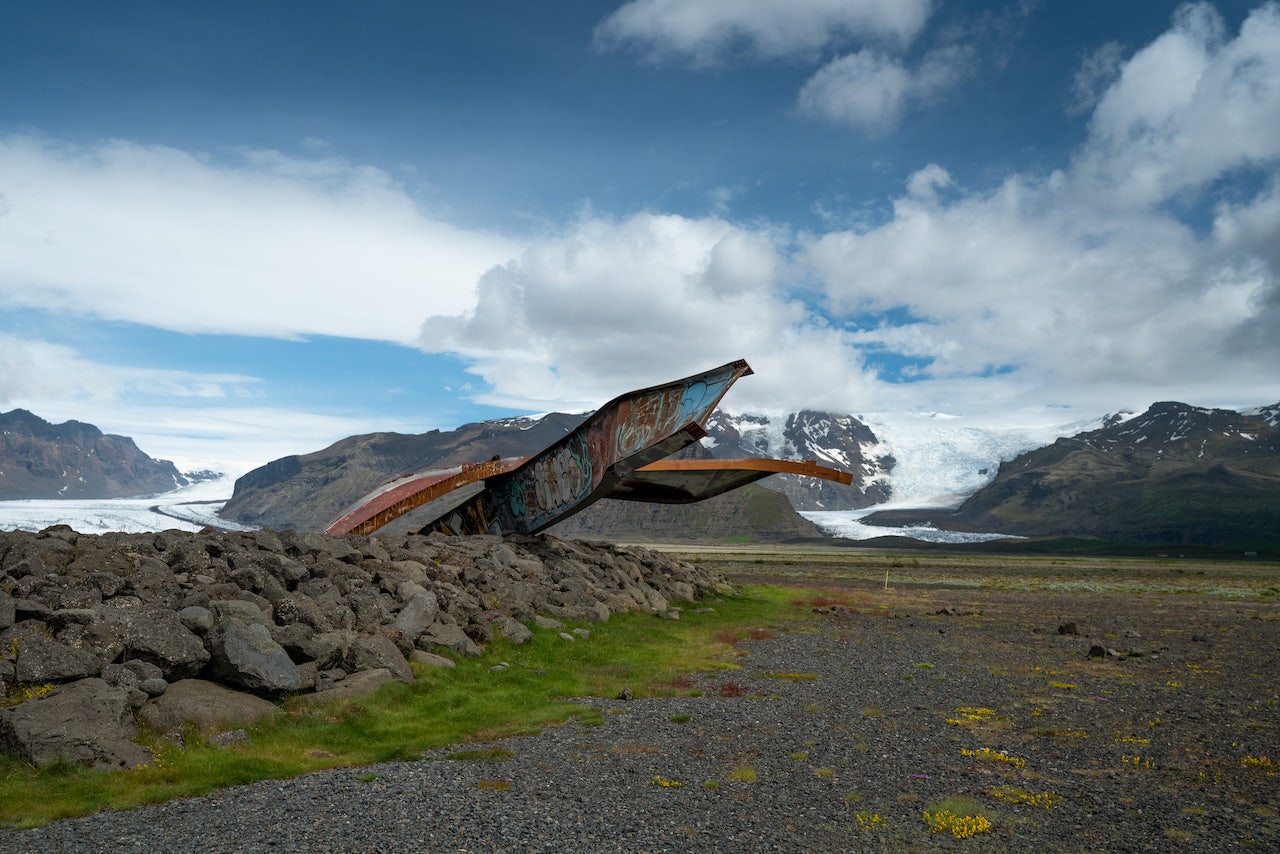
{"x":861,"y":712}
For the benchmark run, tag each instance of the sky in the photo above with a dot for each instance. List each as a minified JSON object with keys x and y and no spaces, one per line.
{"x":237,"y":231}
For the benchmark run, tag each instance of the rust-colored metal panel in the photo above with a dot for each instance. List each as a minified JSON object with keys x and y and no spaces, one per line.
{"x":581,"y":468}
{"x":397,"y":497}
{"x":687,"y":481}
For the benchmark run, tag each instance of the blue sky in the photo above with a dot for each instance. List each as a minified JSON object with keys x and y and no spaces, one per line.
{"x":241,"y":230}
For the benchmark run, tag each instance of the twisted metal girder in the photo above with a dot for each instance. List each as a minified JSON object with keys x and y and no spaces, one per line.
{"x":618,"y":452}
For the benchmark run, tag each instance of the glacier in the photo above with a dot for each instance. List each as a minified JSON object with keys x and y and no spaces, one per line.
{"x":939,"y":461}
{"x":187,"y":509}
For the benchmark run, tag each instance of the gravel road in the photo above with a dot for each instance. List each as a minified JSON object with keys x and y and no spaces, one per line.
{"x":836,"y":735}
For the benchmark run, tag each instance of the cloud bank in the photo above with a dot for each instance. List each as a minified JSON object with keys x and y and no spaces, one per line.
{"x":261,"y":244}
{"x":708,"y":31}
{"x":1140,"y":270}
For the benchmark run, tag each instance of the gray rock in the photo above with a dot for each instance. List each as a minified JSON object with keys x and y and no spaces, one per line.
{"x":378,"y":652}
{"x":296,"y":638}
{"x":514,"y":630}
{"x":239,"y":609}
{"x":430,"y":659}
{"x":244,"y":654}
{"x":41,"y":659}
{"x":547,"y":622}
{"x":153,"y":687}
{"x":229,"y":738}
{"x":143,"y":669}
{"x":206,"y":705}
{"x":449,"y":637}
{"x":158,"y":636}
{"x":197,"y":619}
{"x":88,"y":722}
{"x":417,"y":615}
{"x":354,"y":687}
{"x":8,"y":613}
{"x":330,"y":648}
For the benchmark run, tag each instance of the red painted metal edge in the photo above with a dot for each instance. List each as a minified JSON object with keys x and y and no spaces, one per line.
{"x":397,"y":497}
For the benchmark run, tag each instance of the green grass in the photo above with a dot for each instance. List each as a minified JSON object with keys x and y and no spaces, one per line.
{"x":443,"y":707}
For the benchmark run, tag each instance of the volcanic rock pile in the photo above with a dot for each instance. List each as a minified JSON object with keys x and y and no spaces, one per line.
{"x":99,"y":633}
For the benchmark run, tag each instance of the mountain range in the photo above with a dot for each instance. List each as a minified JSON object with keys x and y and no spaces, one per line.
{"x":1175,"y":473}
{"x":75,"y":460}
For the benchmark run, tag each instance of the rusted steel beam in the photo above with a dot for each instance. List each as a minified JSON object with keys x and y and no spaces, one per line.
{"x":397,"y":497}
{"x":618,"y":452}
{"x":687,"y":481}
{"x":808,"y":468}
{"x":581,"y":468}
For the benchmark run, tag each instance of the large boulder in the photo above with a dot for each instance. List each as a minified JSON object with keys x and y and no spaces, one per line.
{"x":418,"y":613}
{"x":354,"y":687}
{"x":208,"y":706}
{"x":88,"y":722}
{"x":41,"y":659}
{"x":449,"y":637}
{"x":160,"y":637}
{"x":244,"y":654}
{"x":378,"y":652}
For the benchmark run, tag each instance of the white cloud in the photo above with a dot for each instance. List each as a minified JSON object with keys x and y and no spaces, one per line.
{"x":264,"y":245}
{"x":612,"y":306}
{"x":1185,"y":110}
{"x":1097,"y":72}
{"x":1031,"y":302}
{"x":1084,"y":285}
{"x":872,"y":91}
{"x":35,"y":373}
{"x":705,"y":30}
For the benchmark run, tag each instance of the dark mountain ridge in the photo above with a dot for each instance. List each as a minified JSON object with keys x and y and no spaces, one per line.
{"x":1176,"y":473}
{"x":75,"y":460}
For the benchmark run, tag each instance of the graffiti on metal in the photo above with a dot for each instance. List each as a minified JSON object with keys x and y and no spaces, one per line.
{"x":618,"y":452}
{"x":560,"y":480}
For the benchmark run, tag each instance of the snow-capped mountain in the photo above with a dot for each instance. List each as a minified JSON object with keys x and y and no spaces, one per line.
{"x":1269,"y":414}
{"x":1175,"y":473}
{"x":897,"y":460}
{"x":839,"y":441}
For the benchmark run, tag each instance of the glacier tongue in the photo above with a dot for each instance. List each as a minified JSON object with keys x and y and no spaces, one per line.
{"x":939,"y":462}
{"x":187,"y":509}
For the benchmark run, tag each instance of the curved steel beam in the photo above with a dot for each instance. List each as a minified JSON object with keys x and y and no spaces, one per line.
{"x":579,"y":469}
{"x":397,"y":497}
{"x":687,"y":481}
{"x":618,"y":452}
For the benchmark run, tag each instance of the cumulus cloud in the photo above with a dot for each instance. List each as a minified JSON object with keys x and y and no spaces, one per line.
{"x":38,"y":371}
{"x":263,"y":244}
{"x":614,"y":305}
{"x":1081,"y":288}
{"x":706,"y":30}
{"x":1085,"y":281}
{"x":1185,"y":110}
{"x":871,"y":91}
